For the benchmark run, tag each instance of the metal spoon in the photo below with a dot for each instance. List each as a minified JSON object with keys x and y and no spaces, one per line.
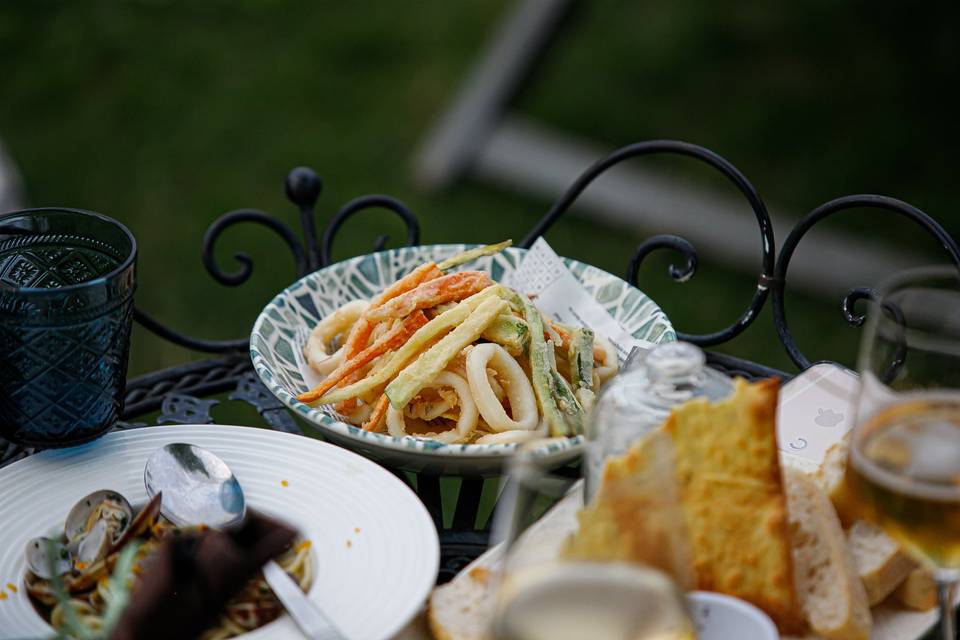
{"x":199,"y":488}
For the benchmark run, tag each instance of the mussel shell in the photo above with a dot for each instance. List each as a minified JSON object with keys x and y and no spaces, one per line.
{"x":84,"y":515}
{"x":39,"y":563}
{"x":40,"y":589}
{"x":142,"y":524}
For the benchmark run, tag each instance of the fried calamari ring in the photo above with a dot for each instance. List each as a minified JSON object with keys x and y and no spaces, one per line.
{"x":426,"y":408}
{"x":523,"y":404}
{"x":337,"y":323}
{"x":515,"y":436}
{"x":466,"y":422}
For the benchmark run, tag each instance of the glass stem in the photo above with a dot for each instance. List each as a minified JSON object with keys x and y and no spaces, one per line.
{"x":946,"y":591}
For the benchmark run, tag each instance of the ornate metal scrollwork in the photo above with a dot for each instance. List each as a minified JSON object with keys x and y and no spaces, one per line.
{"x":850,"y":301}
{"x":303,"y":188}
{"x":857,"y":294}
{"x":246,"y":263}
{"x":369,"y":202}
{"x":767,"y":247}
{"x":678,"y":244}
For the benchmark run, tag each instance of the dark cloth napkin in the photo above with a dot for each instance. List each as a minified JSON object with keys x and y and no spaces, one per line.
{"x":185,"y":584}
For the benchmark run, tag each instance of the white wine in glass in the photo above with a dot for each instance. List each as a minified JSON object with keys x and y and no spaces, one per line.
{"x":546,"y":593}
{"x":600,"y":601}
{"x":903,"y":472}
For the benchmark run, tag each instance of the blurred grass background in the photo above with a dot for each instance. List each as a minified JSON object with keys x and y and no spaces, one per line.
{"x":165,"y":114}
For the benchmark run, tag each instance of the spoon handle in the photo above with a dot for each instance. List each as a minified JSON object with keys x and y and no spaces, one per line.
{"x":305,"y":613}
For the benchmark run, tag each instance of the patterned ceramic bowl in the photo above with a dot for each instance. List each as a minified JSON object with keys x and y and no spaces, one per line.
{"x":281,"y":330}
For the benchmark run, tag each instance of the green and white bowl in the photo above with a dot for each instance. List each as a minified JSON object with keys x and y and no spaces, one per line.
{"x":281,"y":330}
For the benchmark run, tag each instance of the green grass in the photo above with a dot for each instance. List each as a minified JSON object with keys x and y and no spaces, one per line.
{"x":166,"y":114}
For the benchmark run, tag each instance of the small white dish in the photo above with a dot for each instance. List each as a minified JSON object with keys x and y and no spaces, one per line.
{"x":721,"y":617}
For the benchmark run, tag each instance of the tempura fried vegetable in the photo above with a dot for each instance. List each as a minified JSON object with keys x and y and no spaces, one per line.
{"x":557,"y":330}
{"x":567,"y":403}
{"x":423,"y":273}
{"x":580,"y":355}
{"x":379,"y":413}
{"x":419,"y":374}
{"x":417,"y":342}
{"x":511,"y":296}
{"x":392,"y":339}
{"x":558,"y":405}
{"x":510,"y":332}
{"x":472,"y":254}
{"x":360,"y":332}
{"x":440,"y":308}
{"x":448,"y":288}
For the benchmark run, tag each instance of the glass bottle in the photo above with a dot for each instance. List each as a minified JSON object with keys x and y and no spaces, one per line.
{"x":641,"y":397}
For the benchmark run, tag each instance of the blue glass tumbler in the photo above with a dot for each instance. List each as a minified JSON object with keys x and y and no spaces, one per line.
{"x":66,"y":305}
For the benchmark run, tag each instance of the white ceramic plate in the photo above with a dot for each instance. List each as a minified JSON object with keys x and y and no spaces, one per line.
{"x":280,"y":332}
{"x":375,"y":546}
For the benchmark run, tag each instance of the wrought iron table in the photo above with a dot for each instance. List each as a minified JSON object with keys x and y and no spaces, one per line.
{"x":183,"y":394}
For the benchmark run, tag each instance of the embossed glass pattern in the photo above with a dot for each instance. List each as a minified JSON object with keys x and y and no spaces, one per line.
{"x":66,"y":304}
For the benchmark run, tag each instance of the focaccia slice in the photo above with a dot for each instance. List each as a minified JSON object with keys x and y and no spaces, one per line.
{"x":732,"y":494}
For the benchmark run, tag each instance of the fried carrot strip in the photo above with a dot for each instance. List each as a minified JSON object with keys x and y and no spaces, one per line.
{"x":423,"y":273}
{"x":448,"y":288}
{"x":563,"y":333}
{"x":599,"y":355}
{"x":360,"y":332}
{"x":347,"y":407}
{"x":421,"y":340}
{"x":379,"y":413}
{"x":399,"y":301}
{"x":393,"y":339}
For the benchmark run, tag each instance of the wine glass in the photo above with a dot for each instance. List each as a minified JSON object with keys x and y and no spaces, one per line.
{"x":903,"y":472}
{"x":549,"y":588}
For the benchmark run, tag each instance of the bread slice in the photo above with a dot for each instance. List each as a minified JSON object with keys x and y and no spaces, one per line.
{"x":636,"y":516}
{"x":918,"y":591}
{"x":728,"y":471}
{"x":880,"y":563}
{"x":830,"y":477}
{"x":462,"y":608}
{"x":832,"y":596}
{"x":719,"y":464}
